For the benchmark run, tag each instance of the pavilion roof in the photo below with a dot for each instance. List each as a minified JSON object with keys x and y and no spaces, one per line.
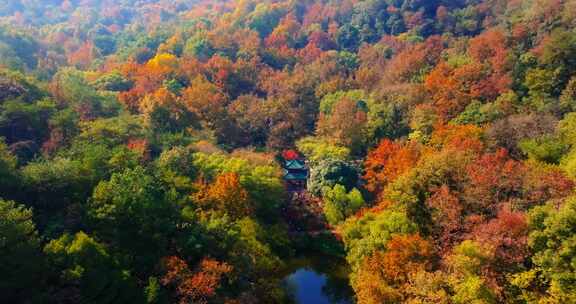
{"x":295,"y":164}
{"x":295,"y":175}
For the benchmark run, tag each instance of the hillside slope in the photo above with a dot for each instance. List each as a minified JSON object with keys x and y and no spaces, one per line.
{"x":140,"y":144}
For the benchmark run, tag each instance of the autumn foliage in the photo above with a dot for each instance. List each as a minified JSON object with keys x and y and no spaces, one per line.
{"x":143,"y":149}
{"x":199,"y":285}
{"x":225,"y":194}
{"x":381,"y":274}
{"x":388,"y":161}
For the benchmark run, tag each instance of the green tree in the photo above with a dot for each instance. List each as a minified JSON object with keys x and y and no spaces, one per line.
{"x":478,"y":114}
{"x":546,"y":148}
{"x":175,"y":167}
{"x":53,"y":181}
{"x":16,"y":85}
{"x":261,"y":180}
{"x":466,"y":262}
{"x":264,"y":18}
{"x":8,"y":174}
{"x":541,"y":84}
{"x":111,"y":131}
{"x":25,"y":122}
{"x":113,"y":81}
{"x":567,"y":101}
{"x":132,"y":212}
{"x":316,"y":150}
{"x":105,"y":44}
{"x":339,"y":204}
{"x":17,"y":50}
{"x":198,"y":46}
{"x":553,"y":244}
{"x":70,"y":86}
{"x":331,"y":172}
{"x":55,"y":188}
{"x":559,"y":54}
{"x":21,"y":261}
{"x":85,"y":271}
{"x":365,"y":235}
{"x":329,"y":101}
{"x":348,"y":37}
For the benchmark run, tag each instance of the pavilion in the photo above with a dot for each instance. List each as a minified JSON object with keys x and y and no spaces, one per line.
{"x":295,"y":174}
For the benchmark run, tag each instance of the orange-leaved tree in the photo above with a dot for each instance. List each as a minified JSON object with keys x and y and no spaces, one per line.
{"x":196,"y":286}
{"x":388,"y":161}
{"x":382,"y":275}
{"x":226,"y":194}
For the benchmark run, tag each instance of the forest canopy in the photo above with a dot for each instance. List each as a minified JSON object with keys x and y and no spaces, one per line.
{"x":144,"y":149}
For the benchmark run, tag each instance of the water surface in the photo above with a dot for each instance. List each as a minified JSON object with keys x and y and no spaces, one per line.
{"x":318,"y":280}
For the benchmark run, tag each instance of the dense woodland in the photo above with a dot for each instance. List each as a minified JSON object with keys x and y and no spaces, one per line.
{"x":140,"y":143}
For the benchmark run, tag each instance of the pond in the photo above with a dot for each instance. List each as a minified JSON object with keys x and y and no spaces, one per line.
{"x":318,"y":280}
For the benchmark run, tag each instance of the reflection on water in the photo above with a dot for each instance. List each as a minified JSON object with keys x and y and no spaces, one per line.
{"x":318,"y":280}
